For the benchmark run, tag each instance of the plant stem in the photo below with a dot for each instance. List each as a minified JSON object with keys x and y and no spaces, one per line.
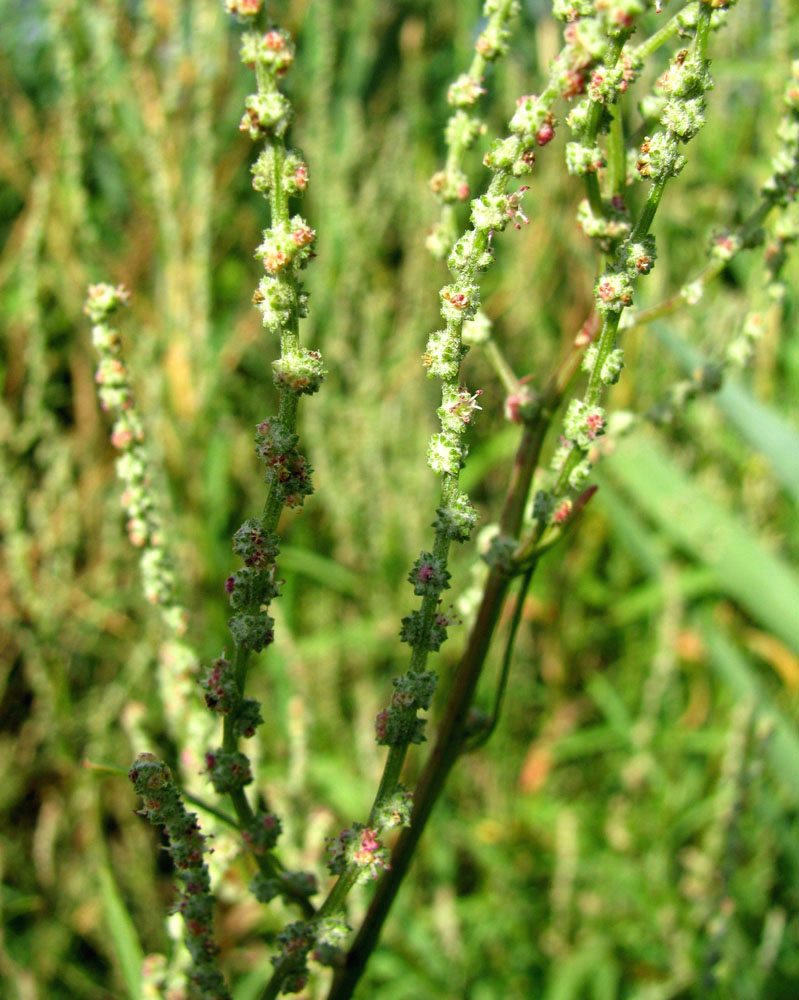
{"x":485,"y":734}
{"x":649,"y":210}
{"x":499,"y":363}
{"x":617,"y":164}
{"x":660,"y":37}
{"x":597,"y":108}
{"x":444,"y":755}
{"x":450,"y":734}
{"x":709,"y":273}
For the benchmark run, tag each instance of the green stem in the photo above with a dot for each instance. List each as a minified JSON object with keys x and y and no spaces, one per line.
{"x":499,"y":363}
{"x":617,"y":160}
{"x":592,"y":128}
{"x":671,"y":28}
{"x":709,"y":273}
{"x":455,"y":153}
{"x":703,"y":30}
{"x":594,"y":195}
{"x":443,"y":756}
{"x":676,"y":301}
{"x":649,"y":210}
{"x":485,"y":734}
{"x":202,"y":804}
{"x":449,"y":741}
{"x":605,"y":344}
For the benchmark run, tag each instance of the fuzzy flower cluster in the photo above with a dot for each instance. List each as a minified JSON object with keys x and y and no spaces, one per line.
{"x":681,"y":90}
{"x":782,"y":187}
{"x":133,"y":465}
{"x":228,"y":771}
{"x":252,"y":588}
{"x":162,"y":805}
{"x":588,"y":36}
{"x":223,"y":696}
{"x":463,"y":128}
{"x":398,"y":724}
{"x":442,"y":358}
{"x":585,"y":420}
{"x":244,"y":9}
{"x":359,"y":846}
{"x":608,"y":227}
{"x":294,"y":944}
{"x":579,"y":69}
{"x":267,"y":113}
{"x":531,"y":126}
{"x":429,"y":575}
{"x":286,"y":468}
{"x":420,"y":632}
{"x":279,"y":174}
{"x":613,"y":290}
{"x":612,"y":17}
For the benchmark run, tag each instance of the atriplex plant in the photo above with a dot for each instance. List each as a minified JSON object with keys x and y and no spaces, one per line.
{"x":597,"y":66}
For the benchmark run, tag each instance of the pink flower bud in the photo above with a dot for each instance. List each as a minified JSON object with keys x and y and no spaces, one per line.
{"x":545,"y":134}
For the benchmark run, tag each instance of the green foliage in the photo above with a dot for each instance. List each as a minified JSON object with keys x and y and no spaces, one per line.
{"x":629,"y":832}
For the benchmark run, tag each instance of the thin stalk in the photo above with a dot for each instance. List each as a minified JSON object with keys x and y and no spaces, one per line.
{"x":487,"y":732}
{"x":597,"y":108}
{"x":671,"y":28}
{"x":709,"y":273}
{"x":649,"y":210}
{"x":499,"y":363}
{"x":206,"y":807}
{"x":617,"y":160}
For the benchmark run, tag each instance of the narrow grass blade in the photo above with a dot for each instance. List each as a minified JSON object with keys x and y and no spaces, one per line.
{"x":762,"y":583}
{"x":122,"y":932}
{"x":735,"y":672}
{"x":759,"y":425}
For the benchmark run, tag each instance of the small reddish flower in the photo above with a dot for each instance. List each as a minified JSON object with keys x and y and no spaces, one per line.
{"x":545,"y":134}
{"x":562,"y":512}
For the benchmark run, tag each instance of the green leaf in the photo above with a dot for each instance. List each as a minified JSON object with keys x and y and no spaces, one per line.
{"x":321,"y":569}
{"x":122,"y":932}
{"x":251,"y":985}
{"x":735,"y":671}
{"x":760,"y":581}
{"x":590,"y":964}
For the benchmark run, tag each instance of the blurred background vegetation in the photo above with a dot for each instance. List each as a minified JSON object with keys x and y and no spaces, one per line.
{"x":631,"y":831}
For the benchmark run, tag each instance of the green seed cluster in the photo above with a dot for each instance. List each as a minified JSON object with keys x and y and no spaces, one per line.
{"x":162,"y":805}
{"x":680,"y":97}
{"x":451,"y":185}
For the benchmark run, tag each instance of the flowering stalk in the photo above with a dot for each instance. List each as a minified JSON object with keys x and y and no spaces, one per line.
{"x":133,"y":466}
{"x":660,"y":159}
{"x":596,"y":63}
{"x":552,"y":510}
{"x":357,"y":855}
{"x":425,"y":629}
{"x":280,"y":174}
{"x":162,"y":805}
{"x":777,"y":192}
{"x":451,"y":184}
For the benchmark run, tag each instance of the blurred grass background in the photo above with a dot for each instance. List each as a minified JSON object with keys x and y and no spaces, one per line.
{"x":631,"y":830}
